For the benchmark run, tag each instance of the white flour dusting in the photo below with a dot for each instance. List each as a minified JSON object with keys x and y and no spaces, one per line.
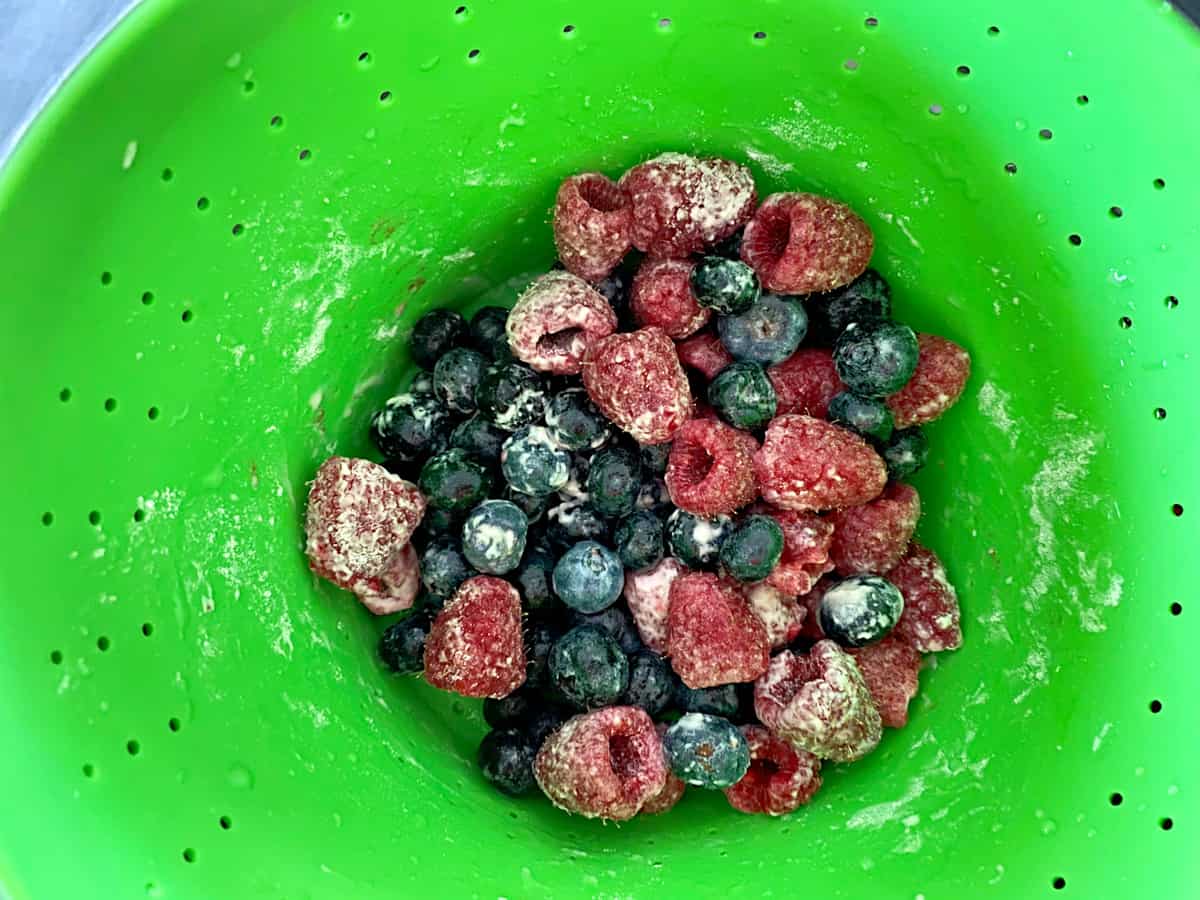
{"x":993,"y":403}
{"x":879,"y":814}
{"x":803,"y":130}
{"x":1099,"y":738}
{"x":771,"y":164}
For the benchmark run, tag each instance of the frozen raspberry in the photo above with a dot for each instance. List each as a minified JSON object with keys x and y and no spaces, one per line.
{"x":930,"y":621}
{"x":359,"y":519}
{"x":591,"y":225}
{"x":890,"y":669}
{"x":781,"y":778}
{"x":705,"y":353}
{"x":662,"y":296}
{"x":603,"y":764}
{"x":808,"y":464}
{"x":873,"y":537}
{"x":648,"y":595}
{"x":942,"y":371}
{"x":672,"y":791}
{"x":635,"y":379}
{"x":782,"y":617}
{"x":811,"y":627}
{"x":557,"y":318}
{"x":805,"y":382}
{"x":711,"y":468}
{"x":474,"y":647}
{"x":682,"y":204}
{"x":806,"y":540}
{"x":712,"y":636}
{"x":819,"y":702}
{"x":801,"y":243}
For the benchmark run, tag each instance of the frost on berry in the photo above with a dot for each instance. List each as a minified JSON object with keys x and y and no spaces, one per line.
{"x":672,"y":791}
{"x":359,"y":520}
{"x":781,"y":778}
{"x":806,"y":541}
{"x":712,"y":635}
{"x":809,"y":465}
{"x":635,"y":379}
{"x":943,"y":368}
{"x":930,"y":622}
{"x":781,"y":616}
{"x":811,"y":627}
{"x":802,"y":243}
{"x":681,"y":204}
{"x":819,"y":702}
{"x":805,"y":382}
{"x":890,"y":668}
{"x":711,"y":468}
{"x":648,"y":594}
{"x":705,"y":353}
{"x":873,"y":537}
{"x":603,"y":764}
{"x":591,"y":224}
{"x":554,"y":322}
{"x":662,"y":296}
{"x":474,"y":646}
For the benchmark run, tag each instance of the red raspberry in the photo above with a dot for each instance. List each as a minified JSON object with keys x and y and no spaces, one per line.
{"x":705,"y":353}
{"x":801,"y":243}
{"x":811,"y":627}
{"x":474,"y":647}
{"x":712,"y":636}
{"x":930,"y":621}
{"x":711,"y":468}
{"x":819,"y":702}
{"x":635,"y":379}
{"x":591,"y":224}
{"x":805,"y":382}
{"x":808,"y":464}
{"x":672,"y":791}
{"x":682,"y":204}
{"x":890,"y":669}
{"x":806,"y":540}
{"x":603,"y":764}
{"x":780,"y":779}
{"x":942,"y":372}
{"x":554,"y":322}
{"x":648,"y":594}
{"x":662,"y":295}
{"x":359,"y":519}
{"x":781,"y":616}
{"x":873,"y":537}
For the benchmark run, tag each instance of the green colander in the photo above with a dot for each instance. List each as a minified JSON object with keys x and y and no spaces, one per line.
{"x":214,"y":240}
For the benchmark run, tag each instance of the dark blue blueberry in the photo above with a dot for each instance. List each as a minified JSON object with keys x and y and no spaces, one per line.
{"x":743,"y":396}
{"x":576,"y":486}
{"x":506,"y":760}
{"x":616,"y":622}
{"x":435,"y":333}
{"x":638,"y":539}
{"x":480,"y":438}
{"x":533,"y":507}
{"x":574,"y":422}
{"x":438,"y":525}
{"x":539,"y":638}
{"x":860,"y":610}
{"x":613,"y":481}
{"x":572,"y":521}
{"x":544,"y":722}
{"x":767,"y":333}
{"x":493,"y":537}
{"x":731,"y":247}
{"x":409,"y":426}
{"x":653,"y":497}
{"x":402,"y":644}
{"x":511,"y":395}
{"x":534,"y":578}
{"x":696,"y":541}
{"x":487,"y":332}
{"x":707,"y":751}
{"x":876,"y":357}
{"x":512,"y":711}
{"x":532,"y":463}
{"x":866,"y":297}
{"x":654,"y":458}
{"x":866,"y":416}
{"x":444,"y":568}
{"x":615,"y":289}
{"x":726,"y":286}
{"x":753,"y":549}
{"x":651,"y":683}
{"x":906,"y":452}
{"x":456,"y":376}
{"x":422,"y":382}
{"x":452,"y":480}
{"x":588,"y":668}
{"x":588,"y":577}
{"x":721,"y":700}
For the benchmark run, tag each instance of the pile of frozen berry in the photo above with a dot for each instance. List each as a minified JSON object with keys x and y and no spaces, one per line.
{"x":655,"y":513}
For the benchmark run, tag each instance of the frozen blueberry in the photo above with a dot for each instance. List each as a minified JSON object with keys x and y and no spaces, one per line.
{"x":706,"y":751}
{"x":435,"y":333}
{"x":753,"y":550}
{"x":444,"y":568}
{"x":639,"y":540}
{"x":727,"y":286}
{"x":534,"y":507}
{"x":876,"y":357}
{"x":512,"y":711}
{"x":453,"y":481}
{"x":615,"y":289}
{"x":511,"y":395}
{"x":721,"y":700}
{"x":506,"y":760}
{"x":456,"y":376}
{"x":539,"y":637}
{"x":410,"y":425}
{"x":651,"y":683}
{"x":860,"y":610}
{"x":543,"y":722}
{"x":654,"y":458}
{"x":588,"y":577}
{"x":616,"y":622}
{"x":402,"y":644}
{"x":588,"y":667}
{"x":694,"y":540}
{"x":866,"y":297}
{"x":487,"y":332}
{"x":574,"y":422}
{"x":534,"y":578}
{"x":731,"y":247}
{"x":493,"y":537}
{"x":653,"y":497}
{"x":767,"y":333}
{"x":613,"y":481}
{"x":743,"y":396}
{"x":576,"y":486}
{"x":437,"y":525}
{"x":869,"y":417}
{"x":532,"y":463}
{"x":479,"y":438}
{"x":572,"y":521}
{"x":906,"y":452}
{"x":422,"y":382}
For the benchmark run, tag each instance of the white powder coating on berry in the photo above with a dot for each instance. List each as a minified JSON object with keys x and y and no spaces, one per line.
{"x":526,"y":399}
{"x":707,"y":534}
{"x":552,"y":323}
{"x":523,"y":448}
{"x":850,"y":601}
{"x":468,"y":650}
{"x":781,"y":616}
{"x":648,"y":594}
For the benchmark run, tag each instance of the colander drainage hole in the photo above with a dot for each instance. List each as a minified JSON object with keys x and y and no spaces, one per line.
{"x":147,"y":629}
{"x":993,"y":30}
{"x":1155,"y":706}
{"x":248,"y":87}
{"x":1075,"y":239}
{"x":133,"y":748}
{"x":385,"y":96}
{"x":1082,"y":100}
{"x":152,"y":413}
{"x":276,"y":121}
{"x":106,"y":278}
{"x":174,"y":724}
{"x":871,"y":22}
{"x":664,"y":24}
{"x":88,"y":770}
{"x":103,"y":643}
{"x":64,"y":395}
{"x":47,"y":518}
{"x":935,"y":109}
{"x":189,"y":855}
{"x":202,"y":203}
{"x":1116,"y":212}
{"x":1166,"y":824}
{"x":364,"y":57}
{"x":964,"y":71}
{"x":460,"y":10}
{"x":473,"y":53}
{"x":305,"y":154}
{"x":1059,"y":883}
{"x":94,"y":517}
{"x":110,"y":405}
{"x":139,"y":515}
{"x":147,"y":298}
{"x":1171,"y":301}
{"x":567,"y":29}
{"x":760,"y":35}
{"x":851,"y":65}
{"x":1045,"y":134}
{"x":225,"y":822}
{"x":186,"y":315}
{"x":1160,"y":413}
{"x":1116,"y":799}
{"x":1176,"y":608}
{"x":1177,"y":509}
{"x":1125,"y":322}
{"x":56,"y":657}
{"x":237,"y":229}
{"x":1159,"y":184}
{"x":1010,"y":168}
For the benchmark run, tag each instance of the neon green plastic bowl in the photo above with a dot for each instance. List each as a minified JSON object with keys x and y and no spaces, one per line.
{"x":214,"y":240}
